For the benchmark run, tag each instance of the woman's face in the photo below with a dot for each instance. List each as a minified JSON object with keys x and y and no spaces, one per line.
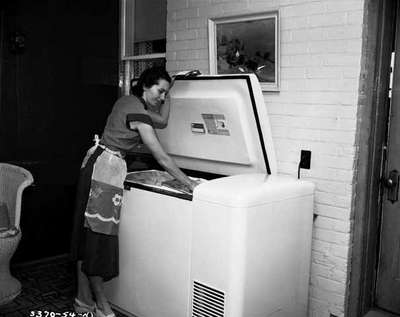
{"x":156,"y":94}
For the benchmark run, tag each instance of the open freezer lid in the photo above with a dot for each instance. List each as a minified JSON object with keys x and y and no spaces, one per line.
{"x":219,"y":124}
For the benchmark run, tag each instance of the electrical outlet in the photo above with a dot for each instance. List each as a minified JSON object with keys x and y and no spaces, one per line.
{"x":305,"y":159}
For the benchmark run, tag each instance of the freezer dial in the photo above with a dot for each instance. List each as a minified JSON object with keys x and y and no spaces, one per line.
{"x":198,"y":128}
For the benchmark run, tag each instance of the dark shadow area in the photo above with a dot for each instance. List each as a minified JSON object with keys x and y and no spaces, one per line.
{"x":58,"y":81}
{"x":48,"y":286}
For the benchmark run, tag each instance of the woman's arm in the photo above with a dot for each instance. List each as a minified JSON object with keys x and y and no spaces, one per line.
{"x":160,"y":119}
{"x":150,"y":139}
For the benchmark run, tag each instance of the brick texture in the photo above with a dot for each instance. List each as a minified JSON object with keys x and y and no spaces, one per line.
{"x":315,"y":109}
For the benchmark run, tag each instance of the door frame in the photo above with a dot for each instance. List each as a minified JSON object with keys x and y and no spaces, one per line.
{"x":372,"y":118}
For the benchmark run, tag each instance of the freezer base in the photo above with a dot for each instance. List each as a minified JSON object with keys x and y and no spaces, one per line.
{"x":154,"y":248}
{"x":260,"y":259}
{"x":240,"y":248}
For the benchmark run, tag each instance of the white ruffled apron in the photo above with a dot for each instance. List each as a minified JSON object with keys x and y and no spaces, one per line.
{"x":103,"y":208}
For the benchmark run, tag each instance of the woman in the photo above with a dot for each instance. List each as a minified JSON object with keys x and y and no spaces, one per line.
{"x":100,"y":188}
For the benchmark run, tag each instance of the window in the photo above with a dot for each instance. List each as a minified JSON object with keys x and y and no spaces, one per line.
{"x":143,"y":37}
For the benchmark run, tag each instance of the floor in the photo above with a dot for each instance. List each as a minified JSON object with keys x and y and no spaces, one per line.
{"x":377,"y":313}
{"x":47,"y":285}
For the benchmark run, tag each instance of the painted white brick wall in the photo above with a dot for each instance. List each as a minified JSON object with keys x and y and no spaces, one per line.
{"x":315,"y":109}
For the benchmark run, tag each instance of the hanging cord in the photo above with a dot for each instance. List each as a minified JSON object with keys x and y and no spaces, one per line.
{"x":298,"y":171}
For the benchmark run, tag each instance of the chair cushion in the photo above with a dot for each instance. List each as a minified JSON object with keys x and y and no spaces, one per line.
{"x":4,"y":217}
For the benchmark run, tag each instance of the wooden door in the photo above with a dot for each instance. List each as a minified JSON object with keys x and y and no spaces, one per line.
{"x":388,"y":275}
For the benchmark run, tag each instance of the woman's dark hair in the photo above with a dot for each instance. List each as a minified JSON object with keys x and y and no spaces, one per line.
{"x":148,"y":78}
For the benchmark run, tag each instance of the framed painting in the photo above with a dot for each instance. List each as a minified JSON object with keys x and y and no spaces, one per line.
{"x":246,"y":44}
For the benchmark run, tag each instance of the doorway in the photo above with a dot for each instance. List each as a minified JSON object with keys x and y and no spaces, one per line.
{"x":387,"y":291}
{"x":375,"y":262}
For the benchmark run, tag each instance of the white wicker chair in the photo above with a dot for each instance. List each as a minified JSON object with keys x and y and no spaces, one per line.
{"x":13,"y":181}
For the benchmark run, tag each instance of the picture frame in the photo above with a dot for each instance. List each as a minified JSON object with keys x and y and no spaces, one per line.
{"x":246,"y":44}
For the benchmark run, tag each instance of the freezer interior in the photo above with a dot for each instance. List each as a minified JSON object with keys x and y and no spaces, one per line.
{"x":151,"y":179}
{"x":161,"y":182}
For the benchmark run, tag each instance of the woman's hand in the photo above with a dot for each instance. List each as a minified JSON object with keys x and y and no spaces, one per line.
{"x":150,"y":139}
{"x":193,"y":183}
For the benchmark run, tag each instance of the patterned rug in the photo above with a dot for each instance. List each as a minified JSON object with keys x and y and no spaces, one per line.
{"x":47,"y":286}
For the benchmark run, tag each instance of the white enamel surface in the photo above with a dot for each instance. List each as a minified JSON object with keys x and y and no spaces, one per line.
{"x":241,"y":150}
{"x":245,"y":190}
{"x":154,"y":244}
{"x":259,"y":256}
{"x":248,"y":236}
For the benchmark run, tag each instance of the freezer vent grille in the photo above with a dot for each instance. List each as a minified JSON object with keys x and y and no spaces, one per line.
{"x":207,"y":301}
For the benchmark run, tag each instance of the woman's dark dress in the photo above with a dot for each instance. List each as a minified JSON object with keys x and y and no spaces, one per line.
{"x":99,"y":252}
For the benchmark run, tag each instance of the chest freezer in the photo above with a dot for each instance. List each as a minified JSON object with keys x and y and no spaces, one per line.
{"x":240,"y":244}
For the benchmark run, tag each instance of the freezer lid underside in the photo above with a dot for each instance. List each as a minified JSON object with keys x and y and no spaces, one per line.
{"x":219,"y":124}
